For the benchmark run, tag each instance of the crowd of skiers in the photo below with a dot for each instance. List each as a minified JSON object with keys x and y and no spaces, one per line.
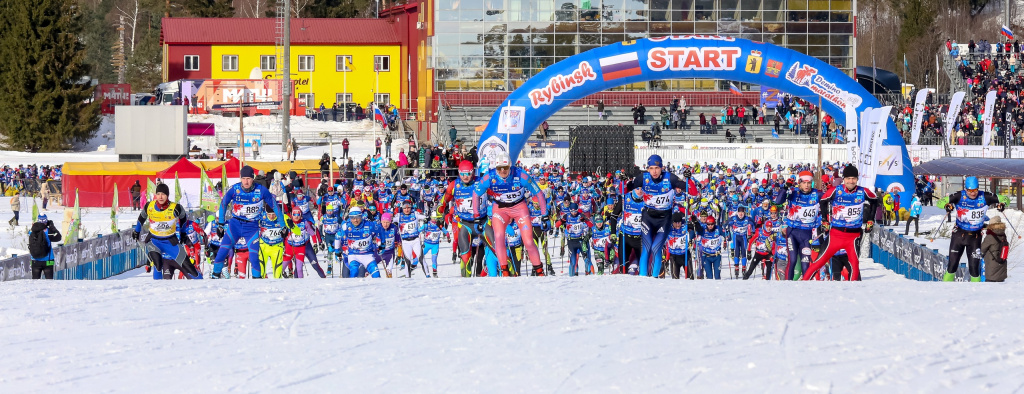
{"x":683,"y":221}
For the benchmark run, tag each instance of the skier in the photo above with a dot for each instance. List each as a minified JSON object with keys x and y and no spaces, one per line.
{"x":541,"y":227}
{"x":514,"y":241}
{"x":432,"y":232}
{"x":166,"y":233}
{"x":845,"y":212}
{"x":658,"y":189}
{"x":971,"y":206}
{"x":358,"y":242}
{"x":709,"y":244}
{"x":409,"y":230}
{"x":577,"y":234}
{"x":762,"y":244}
{"x":631,"y":228}
{"x":266,"y":258}
{"x":330,"y":222}
{"x":247,"y":201}
{"x":602,"y":245}
{"x":509,"y":188}
{"x":679,"y":247}
{"x":197,"y":238}
{"x":465,"y":202}
{"x":300,"y":241}
{"x":389,"y":240}
{"x":740,"y":228}
{"x":803,"y":217}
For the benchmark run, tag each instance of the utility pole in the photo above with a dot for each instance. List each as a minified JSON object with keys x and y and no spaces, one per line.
{"x":286,"y":75}
{"x":118,"y":60}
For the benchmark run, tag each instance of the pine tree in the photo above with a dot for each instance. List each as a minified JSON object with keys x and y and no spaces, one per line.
{"x":44,"y":91}
{"x":209,"y":8}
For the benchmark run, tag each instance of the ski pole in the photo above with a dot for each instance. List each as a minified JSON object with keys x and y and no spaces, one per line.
{"x":939,"y":229}
{"x":1011,"y":226}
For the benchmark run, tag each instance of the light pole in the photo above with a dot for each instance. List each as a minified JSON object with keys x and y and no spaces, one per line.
{"x":330,"y":150}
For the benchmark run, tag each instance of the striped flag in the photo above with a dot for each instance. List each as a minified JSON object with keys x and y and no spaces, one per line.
{"x":1006,"y":32}
{"x":735,"y":90}
{"x":379,"y":116}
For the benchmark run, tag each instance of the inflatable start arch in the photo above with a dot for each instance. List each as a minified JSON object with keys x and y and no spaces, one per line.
{"x":679,"y":57}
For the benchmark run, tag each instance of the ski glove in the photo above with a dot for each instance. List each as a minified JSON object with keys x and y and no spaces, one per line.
{"x":135,"y":235}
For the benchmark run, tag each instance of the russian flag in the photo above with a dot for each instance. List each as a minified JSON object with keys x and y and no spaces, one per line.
{"x":1007,"y":32}
{"x":735,"y":90}
{"x":620,"y":66}
{"x":379,"y":116}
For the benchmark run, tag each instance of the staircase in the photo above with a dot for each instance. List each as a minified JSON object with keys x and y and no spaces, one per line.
{"x":956,"y":82}
{"x":466,"y":119}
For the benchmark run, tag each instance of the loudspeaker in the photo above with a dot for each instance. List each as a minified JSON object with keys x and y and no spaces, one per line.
{"x":600,"y":150}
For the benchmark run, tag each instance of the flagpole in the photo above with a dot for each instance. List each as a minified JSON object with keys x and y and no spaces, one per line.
{"x":820,"y":131}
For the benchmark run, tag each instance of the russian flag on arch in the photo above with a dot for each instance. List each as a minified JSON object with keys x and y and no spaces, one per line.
{"x":1007,"y":32}
{"x":735,"y":90}
{"x":379,"y":116}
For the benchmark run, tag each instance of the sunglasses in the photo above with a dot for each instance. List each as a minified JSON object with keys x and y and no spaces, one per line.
{"x":466,"y":173}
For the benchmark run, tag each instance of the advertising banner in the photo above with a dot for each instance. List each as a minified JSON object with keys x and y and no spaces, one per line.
{"x":226,"y":94}
{"x":111,"y":94}
{"x":684,"y":57}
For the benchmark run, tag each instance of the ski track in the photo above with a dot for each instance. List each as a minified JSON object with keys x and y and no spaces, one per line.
{"x":555,"y":334}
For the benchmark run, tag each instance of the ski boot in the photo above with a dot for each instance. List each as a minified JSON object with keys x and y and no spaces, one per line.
{"x":330,"y":269}
{"x":948,"y":277}
{"x":434,"y":272}
{"x":215,"y":275}
{"x":550,"y":270}
{"x":975,"y":279}
{"x":505,"y":272}
{"x":148,"y":268}
{"x":538,"y":270}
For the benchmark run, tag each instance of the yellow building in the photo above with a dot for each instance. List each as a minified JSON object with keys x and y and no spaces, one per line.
{"x":332,"y":60}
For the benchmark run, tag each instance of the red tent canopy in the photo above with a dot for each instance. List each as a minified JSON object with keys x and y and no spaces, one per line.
{"x":184,"y":169}
{"x":232,"y":165}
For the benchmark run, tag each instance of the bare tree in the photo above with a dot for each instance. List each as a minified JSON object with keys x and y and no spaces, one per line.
{"x":298,"y":5}
{"x":130,"y":11}
{"x":253,"y":8}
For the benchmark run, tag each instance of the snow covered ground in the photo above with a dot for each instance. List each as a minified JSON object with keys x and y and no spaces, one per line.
{"x":558,"y":334}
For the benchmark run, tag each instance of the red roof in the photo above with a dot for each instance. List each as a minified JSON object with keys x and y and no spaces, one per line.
{"x":261,"y":31}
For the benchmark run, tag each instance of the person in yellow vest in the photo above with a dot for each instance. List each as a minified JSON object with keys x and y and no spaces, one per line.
{"x":166,"y":234}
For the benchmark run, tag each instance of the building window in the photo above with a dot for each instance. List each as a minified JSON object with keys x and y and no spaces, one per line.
{"x":344,"y":63}
{"x":307,"y":99}
{"x":191,"y":62}
{"x":306,"y":63}
{"x":382,"y":98}
{"x":343,"y":98}
{"x":382,"y":63}
{"x":229,"y":63}
{"x":268,"y":63}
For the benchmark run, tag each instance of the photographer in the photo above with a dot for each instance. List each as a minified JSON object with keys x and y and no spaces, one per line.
{"x":40,"y":246}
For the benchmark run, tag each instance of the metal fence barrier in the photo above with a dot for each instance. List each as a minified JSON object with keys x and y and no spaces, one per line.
{"x":907,"y":258}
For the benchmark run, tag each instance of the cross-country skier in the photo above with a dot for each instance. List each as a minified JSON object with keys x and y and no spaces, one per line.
{"x":577,"y":234}
{"x":602,"y":245}
{"x":679,"y":247}
{"x":762,"y":244}
{"x":709,"y":244}
{"x":330,"y":223}
{"x":247,"y":201}
{"x":164,"y":243}
{"x":803,"y":217}
{"x":432,"y":232}
{"x":193,"y":248}
{"x":267,"y":256}
{"x":409,"y":229}
{"x":740,"y":229}
{"x":541,"y":227}
{"x":659,"y":189}
{"x":631,"y":229}
{"x":509,"y":188}
{"x":465,"y":203}
{"x":971,"y":206}
{"x":845,"y":212}
{"x":300,"y":244}
{"x":389,"y":241}
{"x":358,"y":241}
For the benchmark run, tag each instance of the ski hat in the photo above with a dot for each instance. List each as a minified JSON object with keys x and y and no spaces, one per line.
{"x":386,"y":217}
{"x":246,"y":172}
{"x":654,"y":160}
{"x":850,"y":171}
{"x":355,"y":211}
{"x":677,"y":217}
{"x":466,"y":165}
{"x":162,"y":188}
{"x":42,"y":218}
{"x":805,"y":176}
{"x":710,"y":220}
{"x":573,"y":207}
{"x":296,"y":210}
{"x":971,"y":183}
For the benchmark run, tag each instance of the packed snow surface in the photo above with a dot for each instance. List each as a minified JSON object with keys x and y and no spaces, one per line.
{"x":555,"y":334}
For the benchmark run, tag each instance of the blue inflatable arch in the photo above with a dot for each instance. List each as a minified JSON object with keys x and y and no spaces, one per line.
{"x":680,"y":57}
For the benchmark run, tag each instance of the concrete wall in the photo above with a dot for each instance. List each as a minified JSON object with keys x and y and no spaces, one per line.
{"x":149,"y":130}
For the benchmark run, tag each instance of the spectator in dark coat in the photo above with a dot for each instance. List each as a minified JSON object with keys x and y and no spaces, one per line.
{"x":40,"y":246}
{"x":992,"y":250}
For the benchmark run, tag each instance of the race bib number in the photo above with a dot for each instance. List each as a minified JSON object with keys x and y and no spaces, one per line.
{"x":632,"y":220}
{"x":576,"y":228}
{"x":434,"y":236}
{"x":848,"y":214}
{"x":804,"y":215}
{"x":359,"y":244}
{"x":973,"y":216}
{"x":247,"y":211}
{"x":464,"y":205}
{"x":330,"y":228}
{"x":711,"y":243}
{"x":660,"y":201}
{"x":510,"y":197}
{"x":271,"y":235}
{"x":409,"y":228}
